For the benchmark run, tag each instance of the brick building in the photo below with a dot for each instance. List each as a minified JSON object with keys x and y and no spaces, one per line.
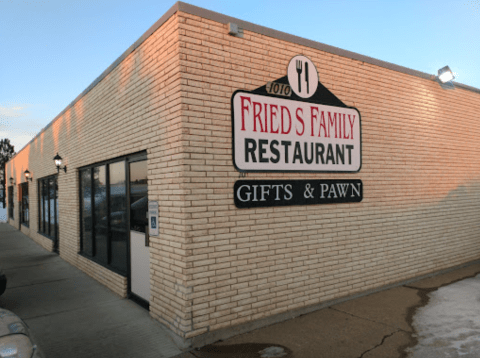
{"x":156,"y":127}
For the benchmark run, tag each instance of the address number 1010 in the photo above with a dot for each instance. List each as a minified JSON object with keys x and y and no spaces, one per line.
{"x":279,"y":89}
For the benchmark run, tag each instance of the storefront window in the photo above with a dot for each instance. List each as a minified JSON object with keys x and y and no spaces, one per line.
{"x":104,"y":214}
{"x":118,"y":215}
{"x":100,"y":213}
{"x":138,"y":196}
{"x":48,"y":207}
{"x":24,"y":212}
{"x":11,"y":203}
{"x":86,"y":211}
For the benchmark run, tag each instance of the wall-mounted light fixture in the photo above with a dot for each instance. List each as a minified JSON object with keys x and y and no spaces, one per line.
{"x":28,"y":175}
{"x":58,"y":163}
{"x":445,"y":74}
{"x":12,"y":181}
{"x":234,"y":30}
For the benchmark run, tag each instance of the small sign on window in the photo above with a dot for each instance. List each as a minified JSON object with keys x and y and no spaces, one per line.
{"x":153,"y":218}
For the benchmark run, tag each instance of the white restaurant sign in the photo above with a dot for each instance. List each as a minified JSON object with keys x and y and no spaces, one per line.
{"x":280,"y":134}
{"x":277,"y":134}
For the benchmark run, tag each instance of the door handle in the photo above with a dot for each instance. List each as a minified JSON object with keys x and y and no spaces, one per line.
{"x":147,"y":236}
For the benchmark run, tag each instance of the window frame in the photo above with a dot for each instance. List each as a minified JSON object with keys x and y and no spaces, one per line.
{"x":24,"y":209}
{"x":11,"y":202}
{"x":126,"y":160}
{"x":44,"y":210}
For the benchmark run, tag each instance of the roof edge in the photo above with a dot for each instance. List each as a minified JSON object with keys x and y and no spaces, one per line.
{"x":218,"y":17}
{"x":249,"y":26}
{"x":109,"y":69}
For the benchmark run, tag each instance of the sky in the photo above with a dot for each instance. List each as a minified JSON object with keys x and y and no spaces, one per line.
{"x":50,"y":51}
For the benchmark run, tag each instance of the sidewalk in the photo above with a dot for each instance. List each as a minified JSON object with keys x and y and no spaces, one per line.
{"x":375,"y":326}
{"x":69,"y":313}
{"x":72,"y":315}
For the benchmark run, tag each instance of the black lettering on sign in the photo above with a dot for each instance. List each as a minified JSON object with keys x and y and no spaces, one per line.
{"x":265,"y":193}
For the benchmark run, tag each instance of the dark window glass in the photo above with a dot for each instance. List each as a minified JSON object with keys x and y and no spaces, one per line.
{"x":24,"y":204}
{"x":46,"y":202}
{"x":40,"y":207}
{"x":118,"y":215}
{"x":105,"y":213}
{"x":11,"y":203}
{"x":100,"y":213}
{"x":138,"y":196}
{"x":48,"y":207}
{"x":86,"y":211}
{"x":57,"y":211}
{"x":51,"y":205}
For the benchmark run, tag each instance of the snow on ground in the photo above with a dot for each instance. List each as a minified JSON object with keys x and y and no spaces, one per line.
{"x":449,"y":325}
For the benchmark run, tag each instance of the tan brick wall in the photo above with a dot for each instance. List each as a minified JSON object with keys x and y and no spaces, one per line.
{"x":421,"y":166}
{"x":135,"y":107}
{"x":213,"y":265}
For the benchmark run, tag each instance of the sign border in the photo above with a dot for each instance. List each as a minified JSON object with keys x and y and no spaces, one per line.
{"x":232,"y":114}
{"x":267,"y":204}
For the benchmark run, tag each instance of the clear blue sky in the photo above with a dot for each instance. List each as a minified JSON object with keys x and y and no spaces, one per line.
{"x":52,"y":50}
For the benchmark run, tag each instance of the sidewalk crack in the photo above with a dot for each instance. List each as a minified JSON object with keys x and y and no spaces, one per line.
{"x":381,"y":343}
{"x":368,"y":319}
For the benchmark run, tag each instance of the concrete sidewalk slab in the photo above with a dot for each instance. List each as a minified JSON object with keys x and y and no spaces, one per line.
{"x":125,"y":330}
{"x":57,"y":296}
{"x":69,"y":313}
{"x":378,"y":325}
{"x":47,"y":271}
{"x":325,"y":333}
{"x":447,"y":278}
{"x":389,"y":307}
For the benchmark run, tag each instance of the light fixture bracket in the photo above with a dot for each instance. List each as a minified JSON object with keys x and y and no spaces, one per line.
{"x":58,"y":163}
{"x":28,"y":175}
{"x":445,"y":75}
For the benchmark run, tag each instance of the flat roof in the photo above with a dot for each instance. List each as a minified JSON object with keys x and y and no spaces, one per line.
{"x":245,"y":25}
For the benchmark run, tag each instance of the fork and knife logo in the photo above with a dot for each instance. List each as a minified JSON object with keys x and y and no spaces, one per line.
{"x":302,"y":76}
{"x":300,"y":65}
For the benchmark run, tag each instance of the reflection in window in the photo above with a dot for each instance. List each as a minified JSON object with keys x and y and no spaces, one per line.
{"x":11,"y":204}
{"x":100,"y":212}
{"x":118,"y":215}
{"x":138,"y":196}
{"x":57,"y":210}
{"x":24,"y":219}
{"x":46,"y":211}
{"x":51,"y":205}
{"x":104,"y":215}
{"x":48,"y":207}
{"x":86,"y":211}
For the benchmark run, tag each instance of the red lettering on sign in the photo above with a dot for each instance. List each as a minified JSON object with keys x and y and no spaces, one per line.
{"x":332,"y":122}
{"x":256,"y":115}
{"x":266,"y":117}
{"x":300,"y":119}
{"x":242,"y":98}
{"x":272,"y":115}
{"x":322,"y":124}
{"x":282,"y":108}
{"x":313,"y":117}
{"x":345,"y":136}
{"x":351,"y":124}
